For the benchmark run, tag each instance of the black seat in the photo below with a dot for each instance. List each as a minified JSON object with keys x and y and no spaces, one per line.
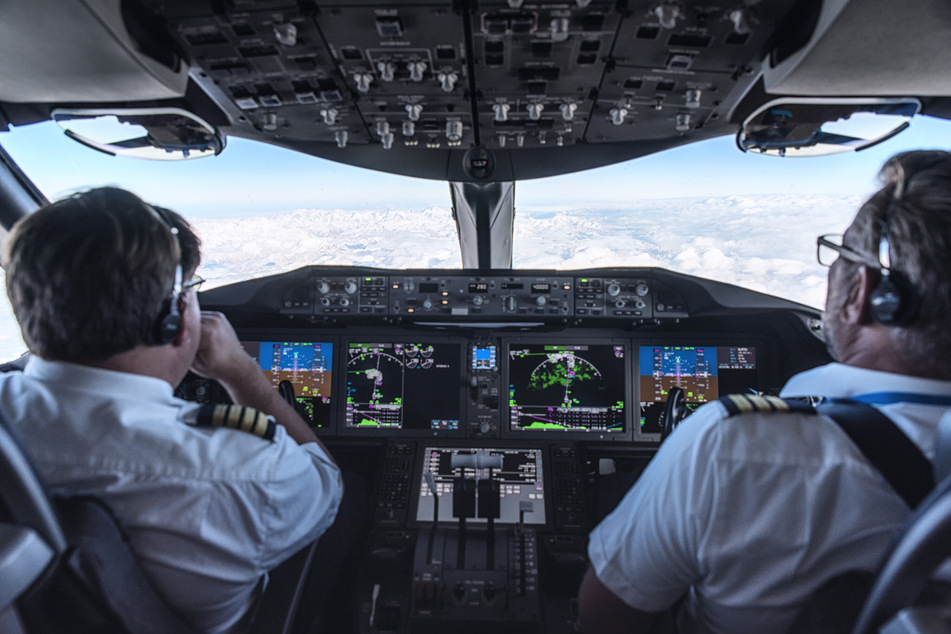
{"x":66,"y":565}
{"x":924,"y":545}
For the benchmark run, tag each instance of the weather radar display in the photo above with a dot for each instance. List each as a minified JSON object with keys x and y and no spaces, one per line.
{"x":566,"y":387}
{"x":403,"y":386}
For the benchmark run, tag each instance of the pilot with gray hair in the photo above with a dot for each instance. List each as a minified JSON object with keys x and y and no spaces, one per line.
{"x":744,"y":514}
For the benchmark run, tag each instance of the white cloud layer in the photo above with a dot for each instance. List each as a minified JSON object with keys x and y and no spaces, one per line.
{"x":765,"y":243}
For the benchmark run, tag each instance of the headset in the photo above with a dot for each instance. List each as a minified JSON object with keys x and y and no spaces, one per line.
{"x":168,"y":321}
{"x":892,"y":302}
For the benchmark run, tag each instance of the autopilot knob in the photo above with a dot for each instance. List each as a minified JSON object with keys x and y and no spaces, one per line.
{"x":350,"y":288}
{"x":427,"y":303}
{"x":541,"y":300}
{"x":344,"y":302}
{"x":477,"y":300}
{"x":642,"y":289}
{"x":509,"y":303}
{"x":614,"y":290}
{"x":323,"y":288}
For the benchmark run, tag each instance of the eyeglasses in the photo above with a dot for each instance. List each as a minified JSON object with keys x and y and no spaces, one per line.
{"x":194,"y":283}
{"x":829,"y":248}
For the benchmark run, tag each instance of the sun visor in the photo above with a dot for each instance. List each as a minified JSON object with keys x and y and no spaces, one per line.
{"x":84,"y":55}
{"x":870,"y":48}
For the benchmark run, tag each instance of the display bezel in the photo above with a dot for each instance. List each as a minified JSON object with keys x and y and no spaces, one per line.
{"x":460,"y":358}
{"x":557,"y":435}
{"x":764,"y":357}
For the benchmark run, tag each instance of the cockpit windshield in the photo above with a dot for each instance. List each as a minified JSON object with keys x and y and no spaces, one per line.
{"x":704,"y":209}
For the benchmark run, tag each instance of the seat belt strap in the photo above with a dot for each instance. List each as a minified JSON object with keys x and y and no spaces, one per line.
{"x":889,"y":450}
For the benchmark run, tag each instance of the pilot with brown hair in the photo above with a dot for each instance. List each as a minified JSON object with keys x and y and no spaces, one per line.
{"x":743,"y":516}
{"x":102,"y":286}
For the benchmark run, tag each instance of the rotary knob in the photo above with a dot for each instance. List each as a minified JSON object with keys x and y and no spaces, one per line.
{"x":350,"y":288}
{"x":614,"y":290}
{"x":541,"y":300}
{"x":642,"y":289}
{"x":427,"y":304}
{"x":477,"y":300}
{"x":323,"y":288}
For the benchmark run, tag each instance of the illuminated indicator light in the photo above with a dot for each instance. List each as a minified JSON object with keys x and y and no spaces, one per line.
{"x":445,"y":301}
{"x":584,"y":280}
{"x":445,"y":293}
{"x":368,"y":279}
{"x":396,"y":286}
{"x":410,"y":310}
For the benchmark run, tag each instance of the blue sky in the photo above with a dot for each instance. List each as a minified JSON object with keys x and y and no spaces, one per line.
{"x":252,"y":179}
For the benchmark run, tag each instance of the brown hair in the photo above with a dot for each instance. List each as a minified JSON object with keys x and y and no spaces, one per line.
{"x":87,"y":275}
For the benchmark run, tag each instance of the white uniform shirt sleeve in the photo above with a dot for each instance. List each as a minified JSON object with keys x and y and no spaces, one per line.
{"x":645,"y":551}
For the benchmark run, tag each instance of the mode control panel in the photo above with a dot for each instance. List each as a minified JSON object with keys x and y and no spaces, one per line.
{"x":613,"y":297}
{"x":489,"y":296}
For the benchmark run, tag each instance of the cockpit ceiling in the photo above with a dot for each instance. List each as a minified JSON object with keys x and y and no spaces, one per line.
{"x":409,"y":87}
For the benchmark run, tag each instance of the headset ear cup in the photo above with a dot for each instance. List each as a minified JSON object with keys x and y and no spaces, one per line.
{"x":888,"y":303}
{"x":167,"y":323}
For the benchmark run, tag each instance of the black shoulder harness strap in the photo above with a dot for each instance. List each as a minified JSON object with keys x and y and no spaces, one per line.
{"x":889,"y":450}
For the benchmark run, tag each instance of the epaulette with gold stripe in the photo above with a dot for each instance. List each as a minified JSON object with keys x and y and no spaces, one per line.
{"x":737,"y":404}
{"x":237,"y":417}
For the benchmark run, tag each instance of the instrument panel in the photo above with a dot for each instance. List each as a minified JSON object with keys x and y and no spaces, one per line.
{"x":591,"y":385}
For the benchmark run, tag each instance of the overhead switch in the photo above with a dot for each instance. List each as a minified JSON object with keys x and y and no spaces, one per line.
{"x":618,"y":115}
{"x":413,"y":111}
{"x":416,"y":70}
{"x":387,"y":70}
{"x":535,"y":110}
{"x":341,"y":137}
{"x":448,"y":80}
{"x":667,"y":14}
{"x":568,"y":111}
{"x":363,"y":81}
{"x":286,"y":34}
{"x":501,"y":111}
{"x":330,"y":115}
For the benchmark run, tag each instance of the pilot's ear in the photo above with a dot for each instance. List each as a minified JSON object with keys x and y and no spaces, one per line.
{"x":189,"y":330}
{"x":856,"y":307}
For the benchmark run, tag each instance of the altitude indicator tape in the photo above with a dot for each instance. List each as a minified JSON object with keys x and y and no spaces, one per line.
{"x":566,"y":387}
{"x":403,"y":385}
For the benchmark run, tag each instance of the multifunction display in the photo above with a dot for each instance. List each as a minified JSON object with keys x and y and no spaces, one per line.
{"x":704,"y":373}
{"x":413,"y":386}
{"x":576,"y":387}
{"x":304,"y":366}
{"x":521,"y":482}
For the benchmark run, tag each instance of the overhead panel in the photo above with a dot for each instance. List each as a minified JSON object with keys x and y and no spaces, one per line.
{"x":539,"y":70}
{"x":405,"y":65}
{"x":676,"y":64}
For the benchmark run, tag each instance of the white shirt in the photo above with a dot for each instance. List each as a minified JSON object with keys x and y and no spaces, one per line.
{"x":208,"y":512}
{"x":755,"y":512}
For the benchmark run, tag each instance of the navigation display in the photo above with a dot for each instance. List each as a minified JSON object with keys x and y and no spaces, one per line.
{"x":704,"y":373}
{"x":566,"y":388}
{"x":521,"y":484}
{"x":307,"y":366}
{"x":412,"y":386}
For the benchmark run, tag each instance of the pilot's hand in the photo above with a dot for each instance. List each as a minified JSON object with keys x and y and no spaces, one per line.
{"x":220,"y":355}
